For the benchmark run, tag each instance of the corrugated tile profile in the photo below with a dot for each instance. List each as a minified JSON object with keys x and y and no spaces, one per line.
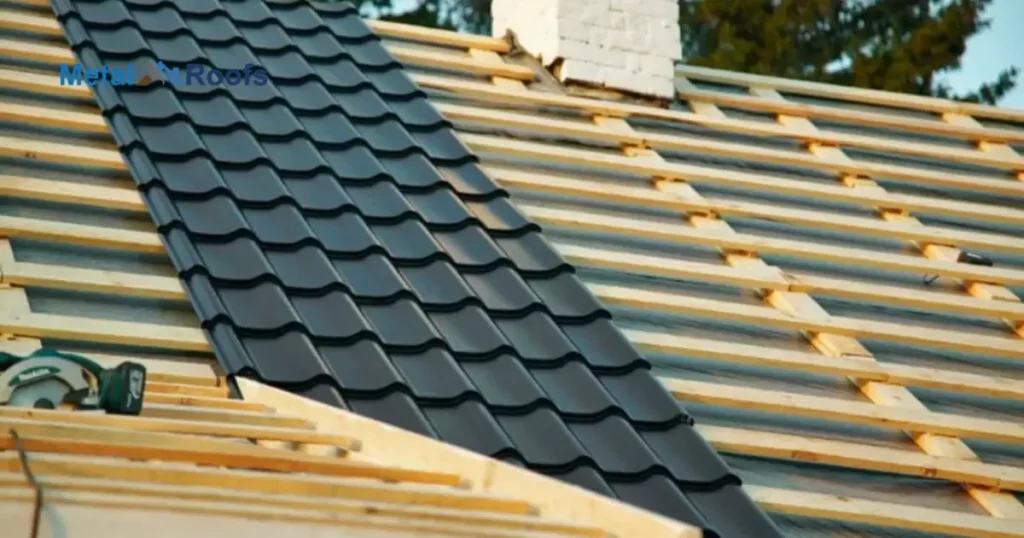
{"x":338,"y":241}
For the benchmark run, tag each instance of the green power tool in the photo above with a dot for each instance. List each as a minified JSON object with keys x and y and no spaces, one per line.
{"x":50,"y":379}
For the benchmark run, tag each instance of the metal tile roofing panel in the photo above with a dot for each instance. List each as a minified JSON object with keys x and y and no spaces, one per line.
{"x":337,"y":240}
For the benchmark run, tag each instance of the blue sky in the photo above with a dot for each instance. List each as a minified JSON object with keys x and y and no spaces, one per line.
{"x":989,"y":53}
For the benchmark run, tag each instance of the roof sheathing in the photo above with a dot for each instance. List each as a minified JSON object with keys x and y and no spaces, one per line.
{"x":338,"y":241}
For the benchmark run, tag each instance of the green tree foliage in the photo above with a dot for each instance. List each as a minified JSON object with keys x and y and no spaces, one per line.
{"x":895,"y":45}
{"x":466,"y":15}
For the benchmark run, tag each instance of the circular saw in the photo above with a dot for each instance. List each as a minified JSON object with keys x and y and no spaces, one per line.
{"x":49,"y":379}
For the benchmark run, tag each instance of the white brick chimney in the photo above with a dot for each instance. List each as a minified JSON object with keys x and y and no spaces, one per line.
{"x":629,"y":45}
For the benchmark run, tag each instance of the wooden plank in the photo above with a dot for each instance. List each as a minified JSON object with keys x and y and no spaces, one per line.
{"x":29,"y":22}
{"x":553,"y":497}
{"x":775,"y":279}
{"x":30,"y":3}
{"x":55,"y":465}
{"x":76,"y":439}
{"x":202,"y":402}
{"x":722,"y":123}
{"x":28,"y":81}
{"x":48,"y":117}
{"x":438,"y":37}
{"x":998,"y":504}
{"x":247,"y":418}
{"x":323,"y":504}
{"x":241,"y":431}
{"x":758,"y":182}
{"x":192,"y":371}
{"x":853,"y":116}
{"x":847,"y":93}
{"x":818,"y":219}
{"x":834,"y":409}
{"x":330,"y":505}
{"x":460,"y":63}
{"x":885,"y":514}
{"x":750,"y":243}
{"x":39,"y":150}
{"x":663,"y":266}
{"x":104,"y":331}
{"x":218,"y":391}
{"x":86,"y":515}
{"x":35,"y":52}
{"x":29,"y":275}
{"x":271,"y":460}
{"x":838,"y":325}
{"x":564,"y":128}
{"x":932,"y":300}
{"x":80,"y":234}
{"x":898,"y":374}
{"x":861,"y":456}
{"x":29,"y":188}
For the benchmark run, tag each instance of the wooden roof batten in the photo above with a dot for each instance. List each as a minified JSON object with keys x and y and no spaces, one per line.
{"x":312,"y":467}
{"x":891,"y":404}
{"x":999,"y":504}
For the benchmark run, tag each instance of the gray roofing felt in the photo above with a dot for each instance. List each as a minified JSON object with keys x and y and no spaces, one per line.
{"x":338,"y":241}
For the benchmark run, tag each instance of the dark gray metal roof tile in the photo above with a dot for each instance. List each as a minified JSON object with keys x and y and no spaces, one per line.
{"x":362,"y":367}
{"x":407,"y":240}
{"x":628,"y":456}
{"x":566,"y":296}
{"x":639,"y":394}
{"x":380,"y":200}
{"x":338,"y":241}
{"x":308,"y":268}
{"x":531,"y":253}
{"x":721,"y":505}
{"x":403,"y":324}
{"x":542,"y":439}
{"x":304,"y":358}
{"x":280,"y":225}
{"x":470,"y":331}
{"x":587,"y":397}
{"x":371,"y":278}
{"x":417,"y":112}
{"x":537,"y":337}
{"x":395,"y":408}
{"x":504,"y":382}
{"x":438,"y":284}
{"x":319,"y":193}
{"x":276,"y":120}
{"x":433,"y":375}
{"x":330,"y":127}
{"x":660,"y":494}
{"x":439,"y":208}
{"x":603,"y":345}
{"x":502,"y":290}
{"x":257,"y":185}
{"x":266,"y":37}
{"x":470,"y":425}
{"x":163,"y":21}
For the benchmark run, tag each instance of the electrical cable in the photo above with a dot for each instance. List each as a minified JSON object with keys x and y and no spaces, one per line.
{"x":38,"y":507}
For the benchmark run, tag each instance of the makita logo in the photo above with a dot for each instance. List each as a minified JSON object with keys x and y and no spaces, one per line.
{"x":33,"y":373}
{"x":158,"y":72}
